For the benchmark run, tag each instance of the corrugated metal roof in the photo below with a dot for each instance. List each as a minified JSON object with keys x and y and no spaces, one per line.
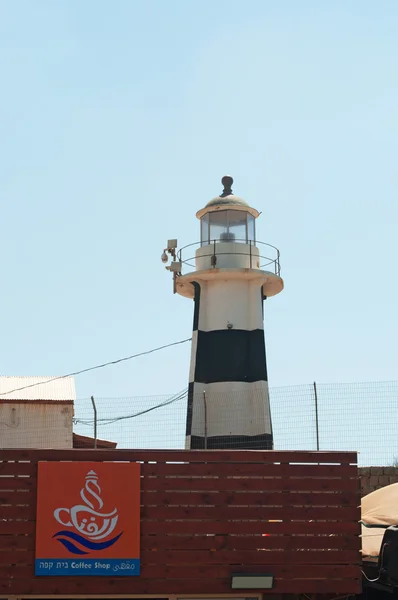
{"x":60,"y":389}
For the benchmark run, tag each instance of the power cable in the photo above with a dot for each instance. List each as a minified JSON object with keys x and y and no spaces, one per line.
{"x":107,"y":421}
{"x":107,"y":364}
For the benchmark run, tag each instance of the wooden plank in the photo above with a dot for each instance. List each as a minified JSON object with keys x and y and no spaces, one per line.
{"x":17,"y":511}
{"x":212,"y":469}
{"x":14,"y":542}
{"x":19,"y":557}
{"x":17,"y":483}
{"x":240,"y":472}
{"x":218,"y":542}
{"x":285,"y":542}
{"x":215,"y":571}
{"x":16,"y":527}
{"x":226,"y":542}
{"x":247,"y":470}
{"x":18,"y":497}
{"x":257,"y":498}
{"x":247,"y":527}
{"x":248,"y":557}
{"x":267,"y":472}
{"x":62,"y":586}
{"x":190,"y":456}
{"x":19,"y":571}
{"x":307,"y":484}
{"x":18,"y":468}
{"x":225,"y":571}
{"x":219,"y":513}
{"x":211,"y":484}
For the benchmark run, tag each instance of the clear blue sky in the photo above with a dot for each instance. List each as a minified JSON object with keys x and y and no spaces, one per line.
{"x":117,"y":121}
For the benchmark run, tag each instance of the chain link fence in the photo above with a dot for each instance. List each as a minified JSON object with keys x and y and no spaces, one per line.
{"x":353,"y":416}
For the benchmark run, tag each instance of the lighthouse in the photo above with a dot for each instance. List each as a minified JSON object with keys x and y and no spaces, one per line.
{"x":228,"y":274}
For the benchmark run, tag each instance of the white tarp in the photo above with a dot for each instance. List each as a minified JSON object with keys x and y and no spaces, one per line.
{"x":378,"y":508}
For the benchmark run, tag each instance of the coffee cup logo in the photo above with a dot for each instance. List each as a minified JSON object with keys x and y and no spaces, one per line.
{"x":89,"y":527}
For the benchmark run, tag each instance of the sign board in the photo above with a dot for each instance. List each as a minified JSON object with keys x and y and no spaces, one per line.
{"x":88,"y":519}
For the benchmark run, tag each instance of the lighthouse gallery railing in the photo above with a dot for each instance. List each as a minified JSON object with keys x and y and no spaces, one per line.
{"x":269,"y":261}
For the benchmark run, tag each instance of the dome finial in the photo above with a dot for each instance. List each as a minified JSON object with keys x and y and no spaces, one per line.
{"x":227,"y":182}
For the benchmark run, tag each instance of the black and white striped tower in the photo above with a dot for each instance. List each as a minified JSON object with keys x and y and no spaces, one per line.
{"x":228,"y":276}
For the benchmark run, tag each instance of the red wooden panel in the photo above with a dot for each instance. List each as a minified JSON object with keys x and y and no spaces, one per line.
{"x":17,"y":483}
{"x":212,"y":484}
{"x":18,"y":468}
{"x":222,"y":571}
{"x":197,"y":556}
{"x":13,"y":542}
{"x":16,"y":571}
{"x":18,"y":496}
{"x":219,"y":513}
{"x":241,"y":499}
{"x":230,"y":486}
{"x":214,"y":571}
{"x":14,"y":511}
{"x":17,"y":527}
{"x":245,"y":470}
{"x":91,"y":585}
{"x":247,"y":527}
{"x":256,"y":557}
{"x":226,"y":542}
{"x":242,"y":482}
{"x":19,"y":557}
{"x":189,"y":456}
{"x":160,"y":484}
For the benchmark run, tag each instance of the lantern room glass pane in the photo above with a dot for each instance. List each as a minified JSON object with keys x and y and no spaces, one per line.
{"x":204,"y":230}
{"x":237,"y":226}
{"x":251,"y":230}
{"x":218,"y":225}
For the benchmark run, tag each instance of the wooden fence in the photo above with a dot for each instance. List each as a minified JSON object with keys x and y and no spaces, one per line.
{"x":203,"y":516}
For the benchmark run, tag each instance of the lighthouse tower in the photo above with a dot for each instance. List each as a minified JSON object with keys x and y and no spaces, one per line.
{"x":228,"y":274}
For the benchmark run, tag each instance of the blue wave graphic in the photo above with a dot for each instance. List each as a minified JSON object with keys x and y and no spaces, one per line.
{"x":73,"y":549}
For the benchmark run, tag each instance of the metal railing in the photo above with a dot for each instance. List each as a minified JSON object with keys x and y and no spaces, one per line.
{"x":269,"y":263}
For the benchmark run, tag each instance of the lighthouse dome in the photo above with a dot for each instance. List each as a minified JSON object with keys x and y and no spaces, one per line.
{"x":230,"y":200}
{"x":227,"y":200}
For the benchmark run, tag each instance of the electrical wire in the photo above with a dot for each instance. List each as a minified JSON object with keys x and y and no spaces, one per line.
{"x":143,"y":412}
{"x":380,"y":562}
{"x":107,"y":364}
{"x":105,"y":421}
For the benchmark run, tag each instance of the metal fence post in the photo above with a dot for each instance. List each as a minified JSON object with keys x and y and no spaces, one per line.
{"x":205,"y":411}
{"x":95,"y":421}
{"x":316,"y":416}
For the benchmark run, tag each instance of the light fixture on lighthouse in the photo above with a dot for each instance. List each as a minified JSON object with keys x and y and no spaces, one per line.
{"x":170,"y":249}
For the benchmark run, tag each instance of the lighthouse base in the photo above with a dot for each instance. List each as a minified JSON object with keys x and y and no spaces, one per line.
{"x":229,"y":415}
{"x":226,"y":442}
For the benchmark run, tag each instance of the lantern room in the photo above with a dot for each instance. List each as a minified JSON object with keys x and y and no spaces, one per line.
{"x":227,"y":218}
{"x":227,"y":232}
{"x":227,"y":226}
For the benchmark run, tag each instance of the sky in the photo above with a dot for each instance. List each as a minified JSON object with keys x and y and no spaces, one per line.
{"x":117,"y":122}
